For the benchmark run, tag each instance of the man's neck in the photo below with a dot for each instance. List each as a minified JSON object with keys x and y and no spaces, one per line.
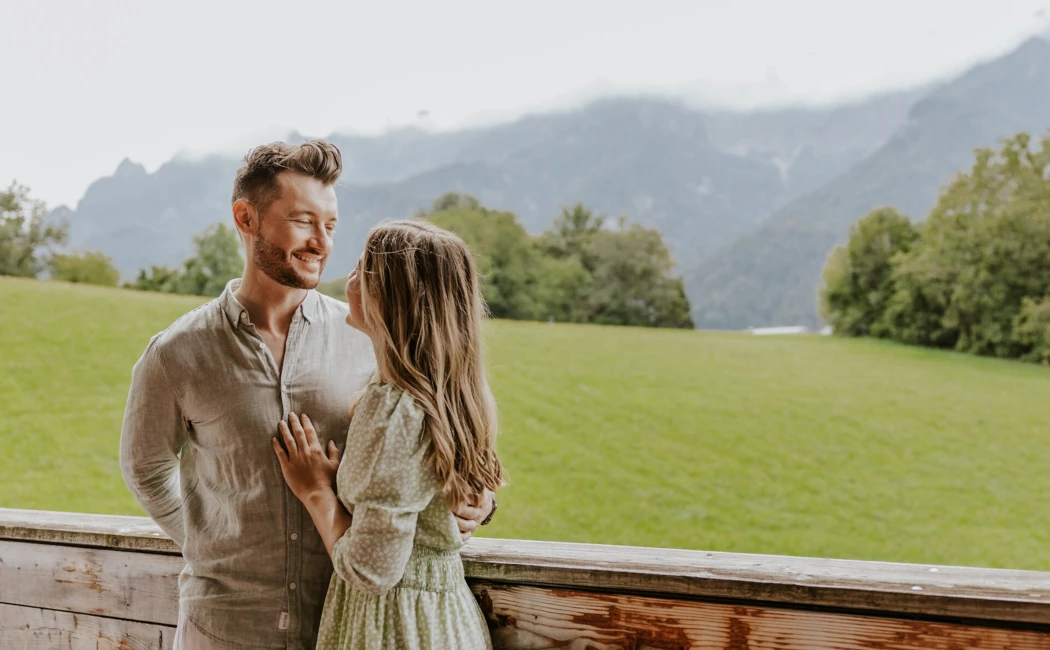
{"x":270,"y":305}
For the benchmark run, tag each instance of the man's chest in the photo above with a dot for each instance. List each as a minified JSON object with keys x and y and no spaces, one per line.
{"x":235,"y":407}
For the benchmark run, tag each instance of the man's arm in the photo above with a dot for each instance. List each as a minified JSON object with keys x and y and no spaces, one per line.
{"x":151,"y":437}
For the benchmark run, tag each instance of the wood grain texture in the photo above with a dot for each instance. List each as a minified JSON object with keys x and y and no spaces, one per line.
{"x":80,"y":529}
{"x":875,"y":587}
{"x":524,"y":618}
{"x":129,"y":585}
{"x":29,"y":628}
{"x":888,"y":587}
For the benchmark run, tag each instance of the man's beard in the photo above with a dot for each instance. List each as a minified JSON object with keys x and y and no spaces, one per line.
{"x":274,"y":263}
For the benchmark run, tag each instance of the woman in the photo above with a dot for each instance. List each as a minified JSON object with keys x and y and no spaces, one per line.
{"x":421,"y":440}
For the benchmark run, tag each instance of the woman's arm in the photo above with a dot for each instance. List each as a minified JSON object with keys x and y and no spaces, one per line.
{"x":330,"y":516}
{"x":310,"y":474}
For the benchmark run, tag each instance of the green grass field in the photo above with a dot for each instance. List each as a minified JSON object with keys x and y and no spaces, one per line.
{"x":789,"y":445}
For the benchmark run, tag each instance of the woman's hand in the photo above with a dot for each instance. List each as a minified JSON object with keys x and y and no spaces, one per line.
{"x":306,"y":467}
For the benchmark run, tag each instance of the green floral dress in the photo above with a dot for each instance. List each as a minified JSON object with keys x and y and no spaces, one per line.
{"x":398,"y":580}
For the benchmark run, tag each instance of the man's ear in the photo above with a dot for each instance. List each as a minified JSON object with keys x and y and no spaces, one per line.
{"x":245,"y":217}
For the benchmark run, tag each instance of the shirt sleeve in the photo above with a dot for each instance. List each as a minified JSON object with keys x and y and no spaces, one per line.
{"x":386,"y":482}
{"x":153,"y":433}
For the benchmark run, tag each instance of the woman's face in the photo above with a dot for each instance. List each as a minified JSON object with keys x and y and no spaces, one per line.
{"x":355,"y":318}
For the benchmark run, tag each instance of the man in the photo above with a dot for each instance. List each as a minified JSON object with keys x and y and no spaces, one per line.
{"x":205,"y":400}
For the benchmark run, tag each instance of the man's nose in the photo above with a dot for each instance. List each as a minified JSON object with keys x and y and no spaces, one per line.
{"x":321,"y":240}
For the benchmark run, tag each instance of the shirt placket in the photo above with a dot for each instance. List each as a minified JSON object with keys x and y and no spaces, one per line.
{"x":289,"y":623}
{"x":293,"y":525}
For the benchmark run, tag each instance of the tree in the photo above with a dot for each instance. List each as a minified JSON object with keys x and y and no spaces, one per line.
{"x":632,"y":279}
{"x":563,"y":288}
{"x":973,"y":278}
{"x":578,"y":271}
{"x":1032,"y":330}
{"x":160,"y":278}
{"x":23,"y":233}
{"x":615,"y":277}
{"x":218,"y":260}
{"x":858,"y":277}
{"x":984,"y":249}
{"x":451,"y":201}
{"x":506,"y":255}
{"x":572,"y":234}
{"x":88,"y":267}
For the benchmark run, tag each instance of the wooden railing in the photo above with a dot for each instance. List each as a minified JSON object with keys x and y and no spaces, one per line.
{"x":78,"y":581}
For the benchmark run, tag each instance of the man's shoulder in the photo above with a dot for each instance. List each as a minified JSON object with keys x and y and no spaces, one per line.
{"x":192,"y":328}
{"x":329,"y":307}
{"x":332,"y":315}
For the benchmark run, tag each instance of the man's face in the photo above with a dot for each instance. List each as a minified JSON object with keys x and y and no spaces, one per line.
{"x":295,"y":233}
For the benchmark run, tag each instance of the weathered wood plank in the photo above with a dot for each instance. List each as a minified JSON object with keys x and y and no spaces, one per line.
{"x":958,"y":592}
{"x":890,"y":588}
{"x":533,"y":617}
{"x":129,"y":585}
{"x":103,"y":531}
{"x":29,"y":628}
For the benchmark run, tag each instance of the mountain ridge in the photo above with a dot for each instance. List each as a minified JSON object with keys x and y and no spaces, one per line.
{"x":650,"y":159}
{"x":992,"y":101}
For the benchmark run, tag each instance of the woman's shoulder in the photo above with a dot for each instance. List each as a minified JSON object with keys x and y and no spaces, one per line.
{"x":389,"y":407}
{"x":386,"y":446}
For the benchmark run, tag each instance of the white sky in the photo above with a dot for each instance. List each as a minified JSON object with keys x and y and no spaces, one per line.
{"x":88,"y":83}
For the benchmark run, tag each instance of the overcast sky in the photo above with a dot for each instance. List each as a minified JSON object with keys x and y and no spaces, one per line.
{"x":88,"y":83}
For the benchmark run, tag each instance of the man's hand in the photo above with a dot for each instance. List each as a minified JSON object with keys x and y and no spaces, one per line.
{"x":307,"y":468}
{"x":470,"y":516}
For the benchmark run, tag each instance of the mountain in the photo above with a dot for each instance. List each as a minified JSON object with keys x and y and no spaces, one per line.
{"x":812,"y":145}
{"x":771,"y":275}
{"x":703,"y":178}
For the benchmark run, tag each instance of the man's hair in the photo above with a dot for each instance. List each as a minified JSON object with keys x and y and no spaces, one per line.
{"x":256,"y":180}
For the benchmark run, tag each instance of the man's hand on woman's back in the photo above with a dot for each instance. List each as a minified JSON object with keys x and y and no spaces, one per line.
{"x":469,"y":517}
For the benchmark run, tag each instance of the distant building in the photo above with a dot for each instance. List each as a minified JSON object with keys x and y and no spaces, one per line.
{"x":791,"y":329}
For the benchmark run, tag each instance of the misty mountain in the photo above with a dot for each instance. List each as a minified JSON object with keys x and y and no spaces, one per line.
{"x":703,"y":178}
{"x":771,"y":275}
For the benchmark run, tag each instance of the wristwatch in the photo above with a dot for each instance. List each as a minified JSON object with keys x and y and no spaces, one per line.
{"x":486,"y":520}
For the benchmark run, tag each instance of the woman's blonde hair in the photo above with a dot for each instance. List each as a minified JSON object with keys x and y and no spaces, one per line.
{"x":422,"y":302}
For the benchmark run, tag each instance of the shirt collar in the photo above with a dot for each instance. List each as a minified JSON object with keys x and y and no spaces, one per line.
{"x":238,"y":315}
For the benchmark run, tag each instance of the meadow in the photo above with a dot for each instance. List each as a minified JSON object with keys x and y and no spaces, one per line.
{"x":808,"y":445}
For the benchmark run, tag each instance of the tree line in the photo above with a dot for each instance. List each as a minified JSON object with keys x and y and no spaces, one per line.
{"x":29,"y":248}
{"x":973,"y":277}
{"x":579,"y":271}
{"x":28,"y":243}
{"x":582,"y":270}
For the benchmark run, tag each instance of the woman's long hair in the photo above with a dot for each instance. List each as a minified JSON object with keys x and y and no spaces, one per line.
{"x":422,"y":301}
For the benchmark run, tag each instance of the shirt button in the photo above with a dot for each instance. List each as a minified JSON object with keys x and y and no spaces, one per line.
{"x":295,"y":536}
{"x":291,"y":586}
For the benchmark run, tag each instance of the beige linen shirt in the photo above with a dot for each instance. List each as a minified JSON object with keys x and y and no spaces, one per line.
{"x":205,"y":400}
